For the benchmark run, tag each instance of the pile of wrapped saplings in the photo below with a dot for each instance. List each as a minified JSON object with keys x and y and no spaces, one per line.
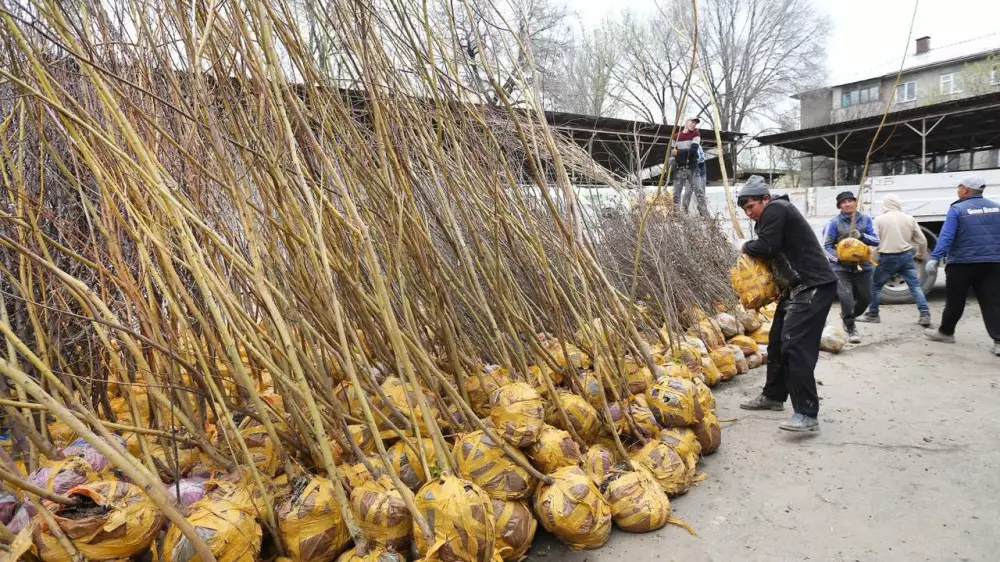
{"x":461,"y":471}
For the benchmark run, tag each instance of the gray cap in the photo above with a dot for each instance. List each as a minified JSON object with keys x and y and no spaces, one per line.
{"x":754,"y":187}
{"x":974,"y":182}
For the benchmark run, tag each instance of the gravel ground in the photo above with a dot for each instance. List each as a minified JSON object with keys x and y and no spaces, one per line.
{"x":905,"y":467}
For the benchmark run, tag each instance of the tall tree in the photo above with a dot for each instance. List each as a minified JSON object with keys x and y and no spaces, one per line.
{"x":589,"y":83}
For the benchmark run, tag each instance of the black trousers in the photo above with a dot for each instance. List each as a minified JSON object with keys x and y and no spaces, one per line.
{"x":854,"y":291}
{"x":984,"y":279}
{"x":793,"y":348}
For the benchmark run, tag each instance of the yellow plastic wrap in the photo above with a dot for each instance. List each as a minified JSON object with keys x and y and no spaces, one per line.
{"x":685,"y":442}
{"x":348,"y":399}
{"x":518,"y":414}
{"x":515,"y":529}
{"x":59,"y":476}
{"x":481,"y":460}
{"x":709,"y":433}
{"x":263,"y":449}
{"x":186,"y":458}
{"x":238,"y":488}
{"x":554,"y":449}
{"x":353,"y":475}
{"x":639,"y":378}
{"x":124,"y":528}
{"x":402,"y":396}
{"x":710,"y":372}
{"x":613,"y":419}
{"x":537,"y":375}
{"x":709,"y":333}
{"x":666,"y":465}
{"x":676,"y":368}
{"x":642,"y":415}
{"x":374,"y":555}
{"x":674,"y":402}
{"x":690,"y":356}
{"x":381,"y":515}
{"x":461,"y":517}
{"x":745,"y":343}
{"x":573,"y":356}
{"x":638,"y":505}
{"x":581,"y":415}
{"x":853,"y":251}
{"x":705,"y":396}
{"x":406,"y":462}
{"x":363,"y":437}
{"x":311,"y":524}
{"x":725,"y":361}
{"x":763,"y":334}
{"x":754,"y":283}
{"x":742,"y":367}
{"x":597,"y":462}
{"x":573,"y":509}
{"x":481,"y":386}
{"x":750,"y":320}
{"x":61,"y":434}
{"x":232,"y":534}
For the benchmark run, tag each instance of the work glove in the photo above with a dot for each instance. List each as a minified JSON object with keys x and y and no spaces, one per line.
{"x":931,"y":267}
{"x":856,"y":234}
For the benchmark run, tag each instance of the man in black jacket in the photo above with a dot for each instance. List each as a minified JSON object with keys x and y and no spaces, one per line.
{"x":809,"y":287}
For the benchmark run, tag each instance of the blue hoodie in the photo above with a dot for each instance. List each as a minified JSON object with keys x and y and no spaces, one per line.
{"x":839,"y":228}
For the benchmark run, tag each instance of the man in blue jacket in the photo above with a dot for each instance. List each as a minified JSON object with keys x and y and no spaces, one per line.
{"x":970,"y":241}
{"x":854,"y":281}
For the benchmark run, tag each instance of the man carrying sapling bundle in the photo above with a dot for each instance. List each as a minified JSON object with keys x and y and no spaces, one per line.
{"x":809,"y":287}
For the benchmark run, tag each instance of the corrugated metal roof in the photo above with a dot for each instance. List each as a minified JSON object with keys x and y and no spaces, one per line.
{"x":983,"y":45}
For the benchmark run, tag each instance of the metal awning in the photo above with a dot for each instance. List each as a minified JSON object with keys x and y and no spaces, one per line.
{"x":955,"y":126}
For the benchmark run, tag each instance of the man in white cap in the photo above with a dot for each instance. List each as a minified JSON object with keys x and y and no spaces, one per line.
{"x":808,"y":288}
{"x":970,"y":242}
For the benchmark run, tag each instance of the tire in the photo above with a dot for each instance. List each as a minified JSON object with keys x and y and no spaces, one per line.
{"x":896,"y":291}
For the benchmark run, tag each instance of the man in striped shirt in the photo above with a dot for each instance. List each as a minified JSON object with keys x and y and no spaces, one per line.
{"x":687,"y":180}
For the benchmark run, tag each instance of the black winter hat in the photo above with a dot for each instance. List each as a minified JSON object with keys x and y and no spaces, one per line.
{"x":844,"y":196}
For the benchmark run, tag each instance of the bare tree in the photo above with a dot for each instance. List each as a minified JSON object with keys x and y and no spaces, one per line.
{"x":589,"y":83}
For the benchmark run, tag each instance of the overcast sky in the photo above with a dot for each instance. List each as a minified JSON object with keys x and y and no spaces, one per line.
{"x":865,"y":32}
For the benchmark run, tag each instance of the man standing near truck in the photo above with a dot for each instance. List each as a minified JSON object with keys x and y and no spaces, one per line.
{"x":970,"y":240}
{"x":900,"y":240}
{"x":854,"y":280}
{"x":687,"y":180}
{"x":808,"y":287}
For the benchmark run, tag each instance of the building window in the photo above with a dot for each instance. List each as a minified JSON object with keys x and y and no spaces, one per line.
{"x":906,"y":92}
{"x":859,"y":96}
{"x":952,"y":83}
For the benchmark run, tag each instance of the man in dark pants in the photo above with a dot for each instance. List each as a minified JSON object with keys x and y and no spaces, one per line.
{"x":854,"y":286}
{"x":808,"y":288}
{"x":970,"y":239}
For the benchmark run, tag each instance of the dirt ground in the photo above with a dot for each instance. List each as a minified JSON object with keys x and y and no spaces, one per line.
{"x":905,"y":467}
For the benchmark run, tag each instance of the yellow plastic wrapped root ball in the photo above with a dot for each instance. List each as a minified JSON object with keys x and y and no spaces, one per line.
{"x":674,"y":402}
{"x":310,"y":522}
{"x":355,"y":474}
{"x":710,"y":373}
{"x":705,"y":396}
{"x":763,"y":334}
{"x":125,"y":526}
{"x":484,"y":462}
{"x":460,"y":516}
{"x":753,"y":282}
{"x":725,"y":361}
{"x":598,"y":462}
{"x":854,"y":251}
{"x":401,"y":395}
{"x":666,"y":465}
{"x":685,"y":442}
{"x":642,"y":415}
{"x":638,"y":505}
{"x":231,"y":532}
{"x":745,"y":343}
{"x":406,"y":462}
{"x":518,"y":414}
{"x":581,"y":415}
{"x":709,"y":433}
{"x":382,"y":516}
{"x":515,"y":529}
{"x":573,"y":509}
{"x":374,"y":555}
{"x":708,"y":331}
{"x":481,"y":386}
{"x":554,"y":449}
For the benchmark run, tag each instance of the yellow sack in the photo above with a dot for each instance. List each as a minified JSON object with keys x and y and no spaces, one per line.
{"x":645,"y":421}
{"x":125,"y":526}
{"x":573,"y":356}
{"x":554,"y":449}
{"x":481,"y":460}
{"x":515,"y":529}
{"x":639,"y":378}
{"x":666,"y":465}
{"x":853,"y":251}
{"x":406,"y":462}
{"x":725,"y":361}
{"x":708,"y":331}
{"x":674,"y":402}
{"x":363,"y":437}
{"x":310,"y":522}
{"x":705,"y":397}
{"x":581,"y":415}
{"x":597,"y":462}
{"x":353,"y":475}
{"x":263,"y":449}
{"x":745,"y":343}
{"x":401,"y":396}
{"x":763,"y":334}
{"x":460,"y":515}
{"x":382,"y":516}
{"x":518,"y":414}
{"x":238,"y":488}
{"x":690,"y":356}
{"x":711,"y":373}
{"x":481,"y":386}
{"x":232,"y":534}
{"x":675,"y":368}
{"x":753,"y":282}
{"x":374,"y":555}
{"x":638,"y":505}
{"x":573,"y":509}
{"x":685,"y":442}
{"x":709,"y":433}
